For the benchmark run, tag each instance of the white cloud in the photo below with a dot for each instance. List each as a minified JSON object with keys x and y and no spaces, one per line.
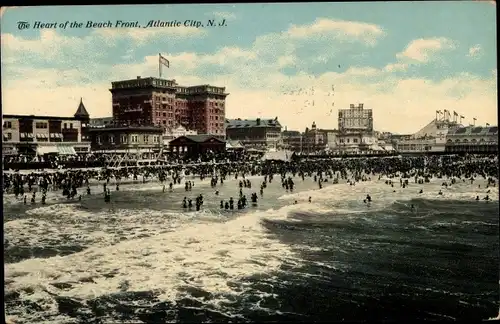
{"x":51,"y":45}
{"x":424,"y":50}
{"x":144,"y":35}
{"x":255,"y":82}
{"x":340,"y":29}
{"x":394,"y":67}
{"x":400,"y":105}
{"x":475,"y":51}
{"x":229,"y":16}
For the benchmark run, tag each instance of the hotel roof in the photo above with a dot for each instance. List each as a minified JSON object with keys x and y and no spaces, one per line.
{"x":474,"y":130}
{"x":247,"y":123}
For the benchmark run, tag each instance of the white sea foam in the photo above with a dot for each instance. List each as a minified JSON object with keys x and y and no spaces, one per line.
{"x":159,"y":251}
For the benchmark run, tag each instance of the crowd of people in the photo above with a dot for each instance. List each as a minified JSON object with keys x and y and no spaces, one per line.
{"x":71,"y":183}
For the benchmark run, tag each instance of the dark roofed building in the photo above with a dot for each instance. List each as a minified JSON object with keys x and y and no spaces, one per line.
{"x":30,"y":134}
{"x":83,"y":116}
{"x":257,"y":133}
{"x":125,"y":138}
{"x":292,"y":140}
{"x":81,"y":112}
{"x":472,"y":139}
{"x":194,"y":145}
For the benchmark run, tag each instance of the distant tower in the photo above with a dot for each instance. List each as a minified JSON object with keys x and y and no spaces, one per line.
{"x":83,"y":116}
{"x":82,"y":113}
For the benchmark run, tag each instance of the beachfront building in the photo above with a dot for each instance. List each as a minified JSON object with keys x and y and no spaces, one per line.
{"x":161,"y":102}
{"x":122,"y":138}
{"x":356,"y":134}
{"x":127,"y":143}
{"x":315,"y":139}
{"x":101,"y":122}
{"x":355,"y":119}
{"x":194,"y":145}
{"x":41,"y":135}
{"x":430,"y":138}
{"x":292,"y":140}
{"x":255,"y":133}
{"x":173,"y":133}
{"x":472,"y":139}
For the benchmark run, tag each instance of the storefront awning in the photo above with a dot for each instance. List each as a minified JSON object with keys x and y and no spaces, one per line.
{"x":66,"y":150}
{"x":46,"y":149}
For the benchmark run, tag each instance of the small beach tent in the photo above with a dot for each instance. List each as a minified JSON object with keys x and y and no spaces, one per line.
{"x":284,"y":155}
{"x":237,"y":145}
{"x":254,"y":150}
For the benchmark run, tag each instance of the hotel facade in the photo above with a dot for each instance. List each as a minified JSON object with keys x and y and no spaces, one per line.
{"x":30,"y":134}
{"x":161,"y":102}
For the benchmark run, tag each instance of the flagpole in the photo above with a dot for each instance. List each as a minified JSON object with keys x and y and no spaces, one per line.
{"x":159,"y":65}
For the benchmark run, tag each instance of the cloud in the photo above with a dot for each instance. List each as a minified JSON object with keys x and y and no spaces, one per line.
{"x":339,"y":29}
{"x":475,"y":51}
{"x":255,"y":78}
{"x":53,"y":47}
{"x":394,"y":67}
{"x":425,"y":50}
{"x":392,"y":99}
{"x":144,"y":35}
{"x":229,"y":16}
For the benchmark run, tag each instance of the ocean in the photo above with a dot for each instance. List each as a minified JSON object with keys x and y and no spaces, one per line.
{"x":144,"y":259}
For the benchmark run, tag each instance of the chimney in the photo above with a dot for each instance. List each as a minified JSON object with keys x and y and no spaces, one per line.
{"x":258,"y":121}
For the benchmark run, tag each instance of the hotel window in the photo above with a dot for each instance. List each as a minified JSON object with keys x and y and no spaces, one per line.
{"x":98,"y":139}
{"x":65,"y":126}
{"x":7,"y":124}
{"x":9,"y":136}
{"x":70,"y":125}
{"x":146,"y":138}
{"x":111,"y":139}
{"x":134,"y":139}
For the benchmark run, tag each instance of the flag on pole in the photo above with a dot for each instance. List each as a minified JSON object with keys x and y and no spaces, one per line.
{"x":164,"y":61}
{"x":462,"y":116}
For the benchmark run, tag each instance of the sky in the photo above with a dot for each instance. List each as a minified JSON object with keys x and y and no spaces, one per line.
{"x":300,"y":62}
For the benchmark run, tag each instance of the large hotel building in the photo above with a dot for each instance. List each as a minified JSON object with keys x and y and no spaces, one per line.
{"x":160,"y":102}
{"x":355,"y":119}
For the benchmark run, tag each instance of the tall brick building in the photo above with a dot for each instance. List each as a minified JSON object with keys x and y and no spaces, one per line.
{"x":155,"y":101}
